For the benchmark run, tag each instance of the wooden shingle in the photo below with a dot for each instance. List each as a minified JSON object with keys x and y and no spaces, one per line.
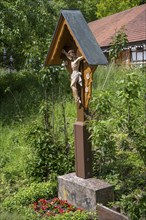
{"x":72,"y":32}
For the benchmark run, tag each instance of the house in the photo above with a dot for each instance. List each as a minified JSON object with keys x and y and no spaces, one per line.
{"x":134,"y":21}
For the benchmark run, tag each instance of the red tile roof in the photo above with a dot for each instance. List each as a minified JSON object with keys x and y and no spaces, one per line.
{"x":133,"y":19}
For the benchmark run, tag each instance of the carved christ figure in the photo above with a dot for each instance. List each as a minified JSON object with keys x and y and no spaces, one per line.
{"x":76,"y":75}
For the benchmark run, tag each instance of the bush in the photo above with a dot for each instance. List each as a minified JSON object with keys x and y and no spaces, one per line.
{"x":30,"y":194}
{"x":134,"y":204}
{"x":117,"y":128}
{"x":20,"y":96}
{"x":76,"y":216}
{"x":47,"y":155}
{"x":27,"y":214}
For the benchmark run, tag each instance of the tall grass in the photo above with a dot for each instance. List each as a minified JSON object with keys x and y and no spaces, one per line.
{"x":20,"y":107}
{"x":21,"y":96}
{"x":106,"y":76}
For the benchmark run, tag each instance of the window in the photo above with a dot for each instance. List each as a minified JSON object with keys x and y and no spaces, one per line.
{"x":138,"y":54}
{"x":133,"y":56}
{"x":144,"y":54}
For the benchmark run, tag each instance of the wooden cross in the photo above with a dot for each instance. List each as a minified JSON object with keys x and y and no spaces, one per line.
{"x":73,"y":33}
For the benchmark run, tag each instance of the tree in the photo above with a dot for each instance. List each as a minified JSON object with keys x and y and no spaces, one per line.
{"x":109,"y":7}
{"x":26,"y":28}
{"x":142,"y":2}
{"x":87,"y":7}
{"x":119,"y":42}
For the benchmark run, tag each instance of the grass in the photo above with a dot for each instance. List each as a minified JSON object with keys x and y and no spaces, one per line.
{"x":21,"y":97}
{"x":105,"y":77}
{"x":20,"y":101}
{"x":10,"y":215}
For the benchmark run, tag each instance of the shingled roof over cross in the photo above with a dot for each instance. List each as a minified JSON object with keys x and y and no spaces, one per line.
{"x":72,"y":32}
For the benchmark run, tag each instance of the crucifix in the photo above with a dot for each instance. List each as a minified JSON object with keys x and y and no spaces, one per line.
{"x":83,"y":153}
{"x":74,"y":42}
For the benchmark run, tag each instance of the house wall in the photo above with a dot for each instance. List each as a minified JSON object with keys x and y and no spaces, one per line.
{"x":135,"y":54}
{"x":124,"y":57}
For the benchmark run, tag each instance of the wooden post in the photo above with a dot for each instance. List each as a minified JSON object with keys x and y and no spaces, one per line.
{"x":83,"y":152}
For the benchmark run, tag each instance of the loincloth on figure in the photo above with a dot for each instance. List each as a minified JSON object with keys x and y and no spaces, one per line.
{"x":76,"y":76}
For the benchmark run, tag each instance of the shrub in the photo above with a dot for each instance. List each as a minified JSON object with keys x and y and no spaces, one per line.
{"x":47,"y":155}
{"x":30,"y":194}
{"x":76,"y":216}
{"x":118,"y":136}
{"x":134,"y":204}
{"x":27,"y":214}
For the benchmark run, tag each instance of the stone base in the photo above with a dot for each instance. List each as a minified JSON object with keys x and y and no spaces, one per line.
{"x":84,"y":193}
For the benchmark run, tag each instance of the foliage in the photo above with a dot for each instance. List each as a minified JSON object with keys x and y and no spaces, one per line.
{"x":88,"y":8}
{"x":30,"y":194}
{"x":125,"y":118}
{"x":24,"y":91}
{"x":27,"y":27}
{"x":47,"y":156}
{"x":53,"y":207}
{"x":55,"y":84}
{"x":12,"y":174}
{"x":21,"y":94}
{"x":77,"y":216}
{"x":117,"y":129}
{"x":129,"y":95}
{"x":142,"y":2}
{"x":109,"y":7}
{"x":101,"y":130}
{"x":119,"y":42}
{"x":33,"y":95}
{"x":26,"y":31}
{"x":117,"y":125}
{"x":47,"y":152}
{"x":134,"y":204}
{"x":106,"y":76}
{"x":27,"y":214}
{"x":5,"y":216}
{"x":20,"y":205}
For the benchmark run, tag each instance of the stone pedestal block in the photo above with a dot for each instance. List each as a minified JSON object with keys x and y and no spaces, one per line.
{"x":84,"y":193}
